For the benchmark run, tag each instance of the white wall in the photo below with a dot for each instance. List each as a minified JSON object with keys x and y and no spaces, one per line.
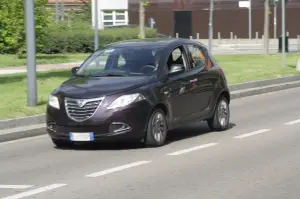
{"x":107,"y":5}
{"x":113,"y":4}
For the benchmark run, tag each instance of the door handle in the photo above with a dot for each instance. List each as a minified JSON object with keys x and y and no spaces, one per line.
{"x":193,"y":80}
{"x":183,"y":84}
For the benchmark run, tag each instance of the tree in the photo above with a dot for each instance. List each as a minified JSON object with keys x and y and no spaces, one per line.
{"x":142,"y":5}
{"x":12,"y":24}
{"x":266,"y":27}
{"x":84,"y":14}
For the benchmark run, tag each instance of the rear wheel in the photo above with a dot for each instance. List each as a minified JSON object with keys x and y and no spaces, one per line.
{"x":157,"y":129}
{"x":61,"y":143}
{"x":221,"y":117}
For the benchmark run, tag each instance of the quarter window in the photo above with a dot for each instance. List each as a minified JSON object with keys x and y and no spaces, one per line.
{"x":211,"y":61}
{"x":197,"y":55}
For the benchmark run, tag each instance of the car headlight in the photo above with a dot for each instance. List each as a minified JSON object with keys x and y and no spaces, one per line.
{"x":125,"y":100}
{"x":53,"y":101}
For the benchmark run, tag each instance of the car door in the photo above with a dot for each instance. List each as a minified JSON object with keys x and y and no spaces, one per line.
{"x":175,"y":88}
{"x":200,"y":93}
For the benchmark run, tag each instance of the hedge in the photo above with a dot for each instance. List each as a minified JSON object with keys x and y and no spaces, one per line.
{"x":79,"y":38}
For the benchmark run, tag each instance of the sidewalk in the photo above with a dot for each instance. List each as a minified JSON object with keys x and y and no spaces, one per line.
{"x":46,"y":67}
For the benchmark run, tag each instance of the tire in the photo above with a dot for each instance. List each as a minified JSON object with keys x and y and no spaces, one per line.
{"x":221,"y":116}
{"x":61,"y":143}
{"x":157,"y":129}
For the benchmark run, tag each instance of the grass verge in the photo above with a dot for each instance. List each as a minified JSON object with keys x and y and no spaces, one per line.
{"x":244,"y":68}
{"x":14,"y":60}
{"x":238,"y":69}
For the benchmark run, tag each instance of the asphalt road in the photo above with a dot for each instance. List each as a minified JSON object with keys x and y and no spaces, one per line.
{"x":257,"y":158}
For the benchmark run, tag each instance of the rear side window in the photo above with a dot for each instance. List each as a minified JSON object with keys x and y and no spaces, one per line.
{"x":197,"y":55}
{"x":211,"y":62}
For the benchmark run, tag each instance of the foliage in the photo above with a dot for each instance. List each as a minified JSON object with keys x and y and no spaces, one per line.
{"x":79,"y":37}
{"x":82,"y":14}
{"x":146,"y":3}
{"x":12,"y":26}
{"x":74,"y":34}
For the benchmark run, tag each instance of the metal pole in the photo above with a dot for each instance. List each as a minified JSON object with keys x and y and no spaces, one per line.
{"x":31,"y":48}
{"x":298,"y":42}
{"x":283,"y":32}
{"x":62,"y":10}
{"x":275,"y":20}
{"x":96,"y":42}
{"x":250,"y":20}
{"x":210,"y":25}
{"x":56,"y":11}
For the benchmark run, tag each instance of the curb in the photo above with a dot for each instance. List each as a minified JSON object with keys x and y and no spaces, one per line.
{"x":31,"y":126}
{"x":20,"y":122}
{"x":40,"y":68}
{"x":265,"y":89}
{"x":22,"y":132}
{"x":261,"y":83}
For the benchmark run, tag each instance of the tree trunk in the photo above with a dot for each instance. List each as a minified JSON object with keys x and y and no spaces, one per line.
{"x":142,"y":19}
{"x":266,"y":28}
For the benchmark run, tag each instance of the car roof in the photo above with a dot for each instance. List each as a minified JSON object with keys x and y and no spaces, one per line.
{"x":151,"y":42}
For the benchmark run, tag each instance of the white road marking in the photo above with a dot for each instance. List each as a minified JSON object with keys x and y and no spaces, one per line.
{"x":35,"y":191}
{"x":252,"y":133}
{"x":23,"y":139}
{"x":292,"y":122}
{"x":119,"y":168}
{"x":193,"y":149}
{"x":15,"y":186}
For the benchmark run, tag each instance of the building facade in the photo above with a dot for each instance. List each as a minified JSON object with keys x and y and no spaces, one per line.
{"x":110,"y":13}
{"x":68,"y":4}
{"x":189,"y":17}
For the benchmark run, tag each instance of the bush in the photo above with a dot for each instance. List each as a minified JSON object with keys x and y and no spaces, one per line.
{"x":12,"y":27}
{"x":79,"y":37}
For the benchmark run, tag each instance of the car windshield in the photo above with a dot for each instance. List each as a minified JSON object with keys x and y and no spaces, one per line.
{"x":122,"y":61}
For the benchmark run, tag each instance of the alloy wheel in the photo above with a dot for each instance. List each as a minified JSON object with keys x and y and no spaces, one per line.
{"x":223,"y":113}
{"x":158,"y":127}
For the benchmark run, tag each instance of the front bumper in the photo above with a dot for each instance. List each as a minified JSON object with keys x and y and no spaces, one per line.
{"x":129,"y":123}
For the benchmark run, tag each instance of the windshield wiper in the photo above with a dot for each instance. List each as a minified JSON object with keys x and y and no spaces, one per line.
{"x":109,"y":74}
{"x":79,"y":75}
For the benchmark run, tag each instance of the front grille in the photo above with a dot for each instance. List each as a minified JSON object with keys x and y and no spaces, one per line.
{"x":82,"y":109}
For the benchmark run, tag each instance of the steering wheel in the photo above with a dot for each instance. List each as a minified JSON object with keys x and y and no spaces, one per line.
{"x":148,"y":66}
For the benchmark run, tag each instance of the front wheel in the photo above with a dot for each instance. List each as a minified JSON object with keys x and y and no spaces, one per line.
{"x":220,"y":119}
{"x":157,"y":129}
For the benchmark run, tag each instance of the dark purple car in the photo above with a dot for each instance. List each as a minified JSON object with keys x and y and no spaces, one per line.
{"x":138,"y":90}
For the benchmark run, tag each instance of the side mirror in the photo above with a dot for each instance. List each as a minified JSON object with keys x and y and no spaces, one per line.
{"x":176,"y":69}
{"x":74,"y":70}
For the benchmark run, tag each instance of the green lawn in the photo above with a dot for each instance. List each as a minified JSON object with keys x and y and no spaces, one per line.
{"x":243,"y":68}
{"x":14,"y":60}
{"x":238,"y":68}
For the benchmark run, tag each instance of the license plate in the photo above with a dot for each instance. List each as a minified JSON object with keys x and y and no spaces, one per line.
{"x":81,"y":137}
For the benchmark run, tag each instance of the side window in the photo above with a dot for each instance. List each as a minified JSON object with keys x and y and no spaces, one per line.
{"x":176,"y":54}
{"x":121,"y":61}
{"x":197,"y":55}
{"x":177,"y":57}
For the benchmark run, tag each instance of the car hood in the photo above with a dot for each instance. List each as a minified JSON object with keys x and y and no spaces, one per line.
{"x":90,"y":87}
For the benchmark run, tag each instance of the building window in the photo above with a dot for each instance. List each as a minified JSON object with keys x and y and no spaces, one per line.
{"x":115,"y":17}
